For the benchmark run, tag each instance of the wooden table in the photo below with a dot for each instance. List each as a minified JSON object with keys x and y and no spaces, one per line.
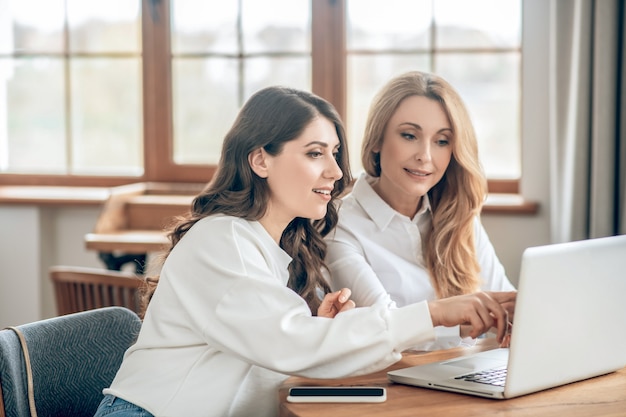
{"x":601,"y":396}
{"x":134,"y":220}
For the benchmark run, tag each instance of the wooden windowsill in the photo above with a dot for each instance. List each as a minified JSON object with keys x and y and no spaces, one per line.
{"x":513,"y":204}
{"x":509,"y":204}
{"x":53,"y":195}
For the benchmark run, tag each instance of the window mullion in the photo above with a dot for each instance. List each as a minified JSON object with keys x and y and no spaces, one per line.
{"x":328,"y":48}
{"x":158,"y":149}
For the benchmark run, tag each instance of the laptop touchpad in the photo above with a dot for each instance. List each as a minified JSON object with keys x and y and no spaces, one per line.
{"x":464,"y":363}
{"x":475,"y":363}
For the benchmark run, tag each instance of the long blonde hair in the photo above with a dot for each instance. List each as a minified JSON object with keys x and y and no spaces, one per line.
{"x":448,"y":247}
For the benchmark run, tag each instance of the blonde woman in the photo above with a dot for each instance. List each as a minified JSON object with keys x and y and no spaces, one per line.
{"x":410,"y":230}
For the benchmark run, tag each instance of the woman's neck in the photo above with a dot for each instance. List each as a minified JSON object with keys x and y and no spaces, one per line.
{"x":273,"y":227}
{"x":407,"y":205}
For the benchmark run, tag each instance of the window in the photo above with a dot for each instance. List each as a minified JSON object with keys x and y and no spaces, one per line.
{"x":230,"y":50}
{"x":70,"y":88}
{"x":96,"y":93}
{"x":480,"y":55}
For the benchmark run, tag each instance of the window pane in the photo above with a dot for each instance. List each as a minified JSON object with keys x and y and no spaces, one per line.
{"x":489,"y":84}
{"x":277,"y":26}
{"x":487,"y":74}
{"x":106,"y":116}
{"x":23,"y":30}
{"x":263,"y":72}
{"x":478,"y":23}
{"x":206,"y":99}
{"x":219,"y":61}
{"x":104,"y":26}
{"x":32,"y":120}
{"x":205,"y":104}
{"x":366,"y":75}
{"x":396,"y":24}
{"x":204,"y":26}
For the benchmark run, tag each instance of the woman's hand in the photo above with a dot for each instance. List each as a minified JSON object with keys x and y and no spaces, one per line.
{"x":481,"y":311}
{"x":335,"y":302}
{"x":506,"y":342}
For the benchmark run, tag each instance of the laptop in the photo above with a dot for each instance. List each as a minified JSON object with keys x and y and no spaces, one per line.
{"x":569,"y":323}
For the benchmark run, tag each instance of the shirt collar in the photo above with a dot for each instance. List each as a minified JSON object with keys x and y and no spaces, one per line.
{"x":279,"y":253}
{"x":376,"y":208}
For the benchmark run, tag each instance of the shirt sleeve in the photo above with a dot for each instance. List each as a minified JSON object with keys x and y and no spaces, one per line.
{"x":231,"y":294}
{"x":278,"y":332}
{"x":349,"y":268}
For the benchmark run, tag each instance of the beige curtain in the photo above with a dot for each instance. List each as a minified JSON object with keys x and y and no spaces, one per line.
{"x":587,"y":119}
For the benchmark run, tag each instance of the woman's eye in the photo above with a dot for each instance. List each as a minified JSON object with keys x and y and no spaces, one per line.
{"x":315,"y":154}
{"x":443,"y":142}
{"x":407,"y":136}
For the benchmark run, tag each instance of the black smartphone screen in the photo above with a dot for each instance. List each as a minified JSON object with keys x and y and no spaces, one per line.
{"x":336,"y":392}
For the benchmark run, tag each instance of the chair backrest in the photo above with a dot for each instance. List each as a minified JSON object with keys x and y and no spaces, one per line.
{"x":73,"y":358}
{"x":82,"y":288}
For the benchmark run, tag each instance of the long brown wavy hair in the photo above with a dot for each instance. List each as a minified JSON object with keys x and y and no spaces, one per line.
{"x":448,"y":247}
{"x":270,"y":117}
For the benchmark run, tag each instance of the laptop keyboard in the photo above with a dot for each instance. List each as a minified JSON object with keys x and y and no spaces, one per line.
{"x":494,"y":376}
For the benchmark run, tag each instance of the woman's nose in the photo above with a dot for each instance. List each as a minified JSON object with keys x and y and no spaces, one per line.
{"x":334,"y":171}
{"x":422,"y":153}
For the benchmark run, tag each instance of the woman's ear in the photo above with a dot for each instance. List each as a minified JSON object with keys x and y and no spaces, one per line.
{"x":258,"y":162}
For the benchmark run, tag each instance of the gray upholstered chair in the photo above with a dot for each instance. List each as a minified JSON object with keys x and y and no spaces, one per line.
{"x":73,"y":357}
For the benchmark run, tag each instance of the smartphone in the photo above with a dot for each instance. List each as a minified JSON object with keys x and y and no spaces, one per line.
{"x":337,"y":395}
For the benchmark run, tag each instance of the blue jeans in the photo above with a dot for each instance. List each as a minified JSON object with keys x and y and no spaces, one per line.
{"x":116,"y":407}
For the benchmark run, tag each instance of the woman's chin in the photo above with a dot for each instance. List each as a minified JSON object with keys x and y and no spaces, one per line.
{"x":320,"y":214}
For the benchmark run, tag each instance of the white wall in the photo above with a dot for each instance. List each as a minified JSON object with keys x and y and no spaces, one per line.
{"x":19,"y":258}
{"x":34,"y":238}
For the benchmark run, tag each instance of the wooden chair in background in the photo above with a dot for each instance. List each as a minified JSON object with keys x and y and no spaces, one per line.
{"x":84,"y":288}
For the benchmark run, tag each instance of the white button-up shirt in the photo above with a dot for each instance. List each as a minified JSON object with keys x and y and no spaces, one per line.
{"x":377,"y":253}
{"x":223,"y":330}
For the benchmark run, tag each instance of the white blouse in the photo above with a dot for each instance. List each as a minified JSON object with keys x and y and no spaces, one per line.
{"x":377,"y":253}
{"x":223,"y":330}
